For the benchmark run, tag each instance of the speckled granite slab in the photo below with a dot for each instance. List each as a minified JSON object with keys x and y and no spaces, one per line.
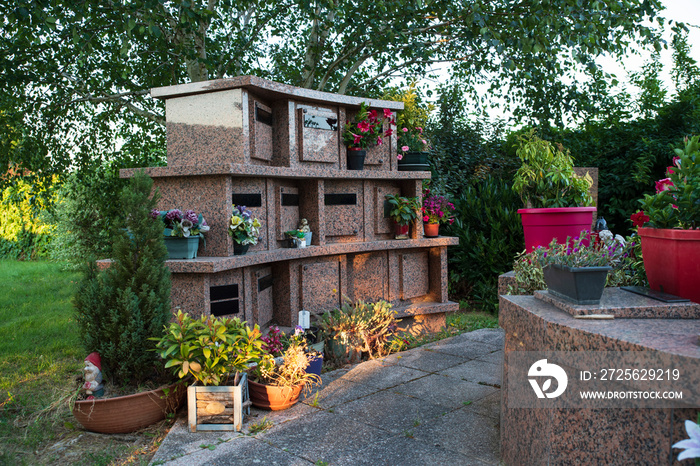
{"x":625,"y":305}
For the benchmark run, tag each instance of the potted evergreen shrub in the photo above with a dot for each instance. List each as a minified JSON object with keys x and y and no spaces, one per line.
{"x":403,"y":211}
{"x":558,"y":202}
{"x":117,"y":310}
{"x":215,"y":353}
{"x":670,"y":226}
{"x":182,"y":232}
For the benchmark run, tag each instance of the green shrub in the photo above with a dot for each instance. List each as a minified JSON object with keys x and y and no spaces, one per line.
{"x":23,"y":233}
{"x":490,"y":234}
{"x":119,"y":309}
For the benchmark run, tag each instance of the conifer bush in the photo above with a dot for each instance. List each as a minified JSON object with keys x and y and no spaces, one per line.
{"x":120,"y":308}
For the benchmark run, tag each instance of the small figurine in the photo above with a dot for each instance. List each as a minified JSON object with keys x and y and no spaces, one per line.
{"x":304,"y":226}
{"x":92,"y":372}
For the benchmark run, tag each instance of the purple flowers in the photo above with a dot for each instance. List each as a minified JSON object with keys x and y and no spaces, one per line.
{"x":179,"y":224}
{"x":173,"y":215}
{"x":191,"y":216}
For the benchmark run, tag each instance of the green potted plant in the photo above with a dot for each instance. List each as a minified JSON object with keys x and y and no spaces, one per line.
{"x":244,"y":229}
{"x":670,"y":226}
{"x":403,"y":211}
{"x":215,"y":353}
{"x":576,"y":271}
{"x":436,"y":210}
{"x":363,"y":131}
{"x":357,"y":329}
{"x":412,"y":143}
{"x":117,"y":310}
{"x":278,"y":386}
{"x":182,"y":232}
{"x":297,"y":238}
{"x":558,"y":202}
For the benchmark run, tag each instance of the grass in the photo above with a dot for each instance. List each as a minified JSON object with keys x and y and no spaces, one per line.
{"x":40,"y":361}
{"x":39,"y":355}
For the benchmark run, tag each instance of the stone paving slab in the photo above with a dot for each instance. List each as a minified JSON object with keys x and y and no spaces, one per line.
{"x":377,"y":375}
{"x":416,"y":407}
{"x":467,"y":349}
{"x":477,"y":371}
{"x":466,"y":432}
{"x":427,"y":361}
{"x":390,"y":411}
{"x":446,"y":391}
{"x":324,"y":436}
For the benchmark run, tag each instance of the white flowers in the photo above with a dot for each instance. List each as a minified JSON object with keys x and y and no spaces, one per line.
{"x":691,"y":445}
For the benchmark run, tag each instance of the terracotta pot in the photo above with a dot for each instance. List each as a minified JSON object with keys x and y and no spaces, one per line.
{"x":273,"y":398}
{"x":431,"y":230}
{"x":130,"y":413}
{"x":672,"y":261}
{"x":540,"y":226}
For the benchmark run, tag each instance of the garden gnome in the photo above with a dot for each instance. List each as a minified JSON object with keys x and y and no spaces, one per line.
{"x":92,"y":373}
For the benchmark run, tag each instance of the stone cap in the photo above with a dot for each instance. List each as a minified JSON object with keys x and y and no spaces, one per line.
{"x":625,"y":305}
{"x":270,"y":90}
{"x":234,"y":169}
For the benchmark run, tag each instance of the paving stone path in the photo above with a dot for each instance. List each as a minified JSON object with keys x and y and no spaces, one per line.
{"x":434,"y":405}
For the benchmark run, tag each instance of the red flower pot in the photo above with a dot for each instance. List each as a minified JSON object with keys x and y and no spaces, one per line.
{"x":672,"y":261}
{"x":431,"y":230}
{"x":401,"y":231}
{"x":540,"y":226}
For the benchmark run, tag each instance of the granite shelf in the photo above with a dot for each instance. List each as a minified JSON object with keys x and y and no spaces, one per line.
{"x":234,"y":169}
{"x":221,"y":264}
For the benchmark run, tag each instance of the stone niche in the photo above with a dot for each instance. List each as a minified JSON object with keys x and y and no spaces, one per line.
{"x":278,"y":150}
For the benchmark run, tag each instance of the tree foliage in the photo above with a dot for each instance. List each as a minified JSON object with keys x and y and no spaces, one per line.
{"x":76,"y":75}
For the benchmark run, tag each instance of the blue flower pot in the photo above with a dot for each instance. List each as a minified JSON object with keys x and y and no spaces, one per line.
{"x":315,"y":365}
{"x":182,"y":248}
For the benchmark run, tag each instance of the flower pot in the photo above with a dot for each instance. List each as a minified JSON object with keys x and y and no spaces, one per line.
{"x":296,"y":242}
{"x":672,"y":261}
{"x":125,"y":414}
{"x":414,"y":161}
{"x":540,"y":226}
{"x":307,"y":236}
{"x":431,"y":230}
{"x":400,"y":231}
{"x":273,"y":398}
{"x":218,"y":408}
{"x":581,"y":285}
{"x":182,"y":248}
{"x":315,"y":365}
{"x":240,"y":249}
{"x":356,"y":158}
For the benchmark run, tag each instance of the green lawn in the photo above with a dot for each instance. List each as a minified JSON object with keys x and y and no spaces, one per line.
{"x":39,"y":355}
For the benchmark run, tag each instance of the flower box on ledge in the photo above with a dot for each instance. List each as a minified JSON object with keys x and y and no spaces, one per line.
{"x":581,"y":285}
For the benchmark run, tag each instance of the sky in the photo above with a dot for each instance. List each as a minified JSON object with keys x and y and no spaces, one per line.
{"x":687,"y":11}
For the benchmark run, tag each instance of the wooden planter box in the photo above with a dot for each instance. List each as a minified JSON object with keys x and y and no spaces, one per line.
{"x":217,"y":408}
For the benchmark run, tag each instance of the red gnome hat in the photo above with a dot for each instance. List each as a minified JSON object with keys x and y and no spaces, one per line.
{"x":94,"y":358}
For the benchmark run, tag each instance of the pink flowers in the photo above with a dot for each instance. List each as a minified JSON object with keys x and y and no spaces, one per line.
{"x":387,"y":113}
{"x":404,"y":149}
{"x":664,"y":185}
{"x":363,"y":126}
{"x":405,"y":130}
{"x":399,"y":157}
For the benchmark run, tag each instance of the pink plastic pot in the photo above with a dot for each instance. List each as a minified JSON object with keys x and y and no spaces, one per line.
{"x":542,"y":225}
{"x":672,"y":261}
